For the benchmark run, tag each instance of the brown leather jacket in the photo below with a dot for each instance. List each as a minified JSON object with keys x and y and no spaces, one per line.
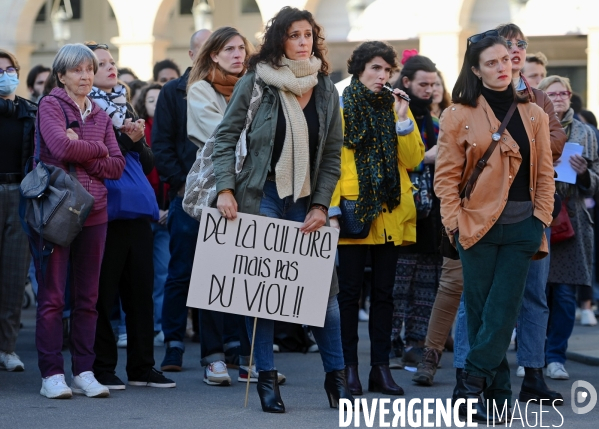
{"x":558,"y":136}
{"x":465,"y":134}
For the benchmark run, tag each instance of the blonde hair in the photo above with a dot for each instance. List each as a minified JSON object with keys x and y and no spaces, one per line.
{"x":550,"y":80}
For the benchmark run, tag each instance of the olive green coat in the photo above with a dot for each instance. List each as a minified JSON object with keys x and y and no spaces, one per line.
{"x":324,"y":170}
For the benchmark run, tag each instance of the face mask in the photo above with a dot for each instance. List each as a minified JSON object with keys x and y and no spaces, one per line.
{"x":8,"y":84}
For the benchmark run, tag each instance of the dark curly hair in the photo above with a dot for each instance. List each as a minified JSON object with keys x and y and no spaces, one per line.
{"x":272,"y":50}
{"x":140,"y":104}
{"x":364,"y":53}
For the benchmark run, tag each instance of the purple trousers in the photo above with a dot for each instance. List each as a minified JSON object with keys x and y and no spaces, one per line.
{"x":85,"y":255}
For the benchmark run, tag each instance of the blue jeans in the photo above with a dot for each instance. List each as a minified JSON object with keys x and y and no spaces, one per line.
{"x":162,"y":256}
{"x":534,"y":314}
{"x":532,"y":320}
{"x":183,"y":231}
{"x":328,"y":337}
{"x":562,"y":308}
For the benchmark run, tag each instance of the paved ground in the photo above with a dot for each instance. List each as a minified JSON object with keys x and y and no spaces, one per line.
{"x":193,"y":404}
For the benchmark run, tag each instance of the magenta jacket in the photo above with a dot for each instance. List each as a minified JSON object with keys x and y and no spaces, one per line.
{"x":88,"y":154}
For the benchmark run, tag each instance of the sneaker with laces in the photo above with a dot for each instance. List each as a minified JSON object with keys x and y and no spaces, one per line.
{"x":243,"y":375}
{"x":86,"y":384}
{"x":122,"y":341}
{"x":11,"y":362}
{"x":153,"y":378}
{"x":173,"y":360}
{"x":54,"y":387}
{"x":556,"y":371}
{"x":587,"y":318}
{"x":520,"y":372}
{"x":216,"y":374}
{"x":110,"y":380}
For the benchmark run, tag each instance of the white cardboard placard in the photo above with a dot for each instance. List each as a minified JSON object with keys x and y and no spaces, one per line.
{"x":262,"y":267}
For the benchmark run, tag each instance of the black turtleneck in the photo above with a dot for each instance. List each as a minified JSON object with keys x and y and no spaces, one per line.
{"x":500,"y":102}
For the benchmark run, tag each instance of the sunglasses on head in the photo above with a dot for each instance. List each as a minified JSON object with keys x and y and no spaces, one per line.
{"x":478,"y":37}
{"x":93,"y":47}
{"x":521,"y":44}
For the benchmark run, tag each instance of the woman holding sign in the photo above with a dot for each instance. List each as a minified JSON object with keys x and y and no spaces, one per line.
{"x":215,"y":72}
{"x":291,"y":168}
{"x":380,"y":144}
{"x":571,"y":259}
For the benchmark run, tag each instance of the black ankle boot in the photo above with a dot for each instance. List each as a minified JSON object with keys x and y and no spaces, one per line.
{"x":472,"y":388}
{"x":336,"y":387}
{"x":459,"y":386}
{"x":534,"y":388}
{"x":268,"y":390}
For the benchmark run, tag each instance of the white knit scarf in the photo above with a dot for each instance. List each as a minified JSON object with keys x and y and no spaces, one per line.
{"x":293,"y":80}
{"x":114,"y":103}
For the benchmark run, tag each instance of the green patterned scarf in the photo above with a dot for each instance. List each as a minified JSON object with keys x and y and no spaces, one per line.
{"x":370,"y":131}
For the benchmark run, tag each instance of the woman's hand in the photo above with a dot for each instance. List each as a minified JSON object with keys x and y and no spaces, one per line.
{"x":401,"y":105}
{"x":314,"y":220}
{"x":579,"y":164}
{"x":72,"y":135}
{"x":431,"y":155}
{"x":227,"y":205}
{"x":135,"y":130}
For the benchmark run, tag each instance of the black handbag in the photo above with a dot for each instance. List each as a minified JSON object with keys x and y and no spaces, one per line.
{"x":350,"y":226}
{"x":53,"y":203}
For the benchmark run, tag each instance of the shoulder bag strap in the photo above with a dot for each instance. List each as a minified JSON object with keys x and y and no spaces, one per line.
{"x":482,"y":163}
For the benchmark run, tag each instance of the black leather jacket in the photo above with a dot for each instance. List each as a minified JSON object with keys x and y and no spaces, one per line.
{"x":26,"y":113}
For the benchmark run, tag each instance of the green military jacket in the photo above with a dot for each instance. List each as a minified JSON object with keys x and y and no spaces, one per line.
{"x":247,"y":185}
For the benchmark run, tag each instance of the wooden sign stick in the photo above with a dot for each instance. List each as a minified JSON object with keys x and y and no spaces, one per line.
{"x":247,"y":387}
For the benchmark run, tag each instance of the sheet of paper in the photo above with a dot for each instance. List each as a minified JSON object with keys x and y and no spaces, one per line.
{"x":565,"y":172}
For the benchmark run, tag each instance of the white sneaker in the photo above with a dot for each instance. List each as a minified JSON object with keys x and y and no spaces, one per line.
{"x":276,"y":348}
{"x":86,"y":384}
{"x":243,"y":375}
{"x":520,"y":372}
{"x":159,"y":339}
{"x":556,"y":371}
{"x":11,"y":362}
{"x":55,"y":387}
{"x":578,"y":314}
{"x":216,"y":374}
{"x":122,"y":341}
{"x":587,"y":318}
{"x":363,"y":316}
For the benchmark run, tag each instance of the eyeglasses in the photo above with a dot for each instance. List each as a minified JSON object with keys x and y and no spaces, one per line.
{"x":478,"y":37}
{"x":561,"y":94}
{"x":93,"y":47}
{"x":11,"y":71}
{"x":521,"y":44}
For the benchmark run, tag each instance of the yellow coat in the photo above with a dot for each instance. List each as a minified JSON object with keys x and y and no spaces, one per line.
{"x":398,"y":226}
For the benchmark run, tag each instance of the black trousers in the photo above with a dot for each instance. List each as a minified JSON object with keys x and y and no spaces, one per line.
{"x":352,"y":261}
{"x":127,"y":270}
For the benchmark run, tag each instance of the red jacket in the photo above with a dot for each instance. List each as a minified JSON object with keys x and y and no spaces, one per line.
{"x":88,"y":154}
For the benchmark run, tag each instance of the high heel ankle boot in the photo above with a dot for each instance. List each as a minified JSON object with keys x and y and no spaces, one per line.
{"x":534,"y":388}
{"x":268,"y":390}
{"x":380,"y":380}
{"x":336,"y":387}
{"x":353,"y":380}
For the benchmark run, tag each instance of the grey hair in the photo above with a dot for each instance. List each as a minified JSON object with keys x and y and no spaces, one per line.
{"x":69,"y":57}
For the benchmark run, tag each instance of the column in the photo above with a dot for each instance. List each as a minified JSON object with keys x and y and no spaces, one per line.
{"x":593,"y":70}
{"x":446,"y":49}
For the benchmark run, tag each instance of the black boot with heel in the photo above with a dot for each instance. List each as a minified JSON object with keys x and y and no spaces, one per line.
{"x":534,"y":388}
{"x":268,"y":390}
{"x":335,"y":385}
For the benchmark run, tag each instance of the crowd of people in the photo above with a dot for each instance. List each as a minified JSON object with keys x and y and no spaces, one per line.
{"x":453,"y":195}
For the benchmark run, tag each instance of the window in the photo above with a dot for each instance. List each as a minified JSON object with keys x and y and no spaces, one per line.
{"x":185,"y":7}
{"x":249,"y":6}
{"x":76,"y":6}
{"x":41,"y":16}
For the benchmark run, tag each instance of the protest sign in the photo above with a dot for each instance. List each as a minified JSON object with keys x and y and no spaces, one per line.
{"x":262,"y":267}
